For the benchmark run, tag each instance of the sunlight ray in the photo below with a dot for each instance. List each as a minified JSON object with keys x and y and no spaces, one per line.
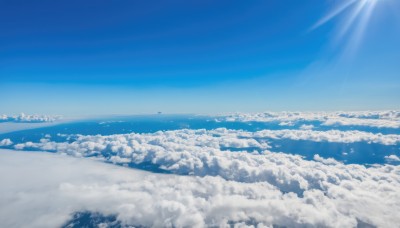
{"x":355,"y":17}
{"x":362,"y":24}
{"x":333,"y":14}
{"x":351,"y":20}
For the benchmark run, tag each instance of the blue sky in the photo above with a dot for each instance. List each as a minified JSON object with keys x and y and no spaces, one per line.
{"x":121,"y":57}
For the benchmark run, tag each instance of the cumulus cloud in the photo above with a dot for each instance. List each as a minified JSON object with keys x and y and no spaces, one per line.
{"x":382,"y":119}
{"x":6,"y":142}
{"x":392,"y":158}
{"x":23,"y":118}
{"x":391,"y":115}
{"x":329,"y":136}
{"x":201,"y":153}
{"x":276,"y":116}
{"x":306,"y":127}
{"x":350,"y":194}
{"x":3,"y":117}
{"x":150,"y":147}
{"x":342,"y":121}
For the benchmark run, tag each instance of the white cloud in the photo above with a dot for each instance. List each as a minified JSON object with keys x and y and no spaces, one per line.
{"x":276,"y":116}
{"x":6,"y":142}
{"x":3,"y":117}
{"x":23,"y":118}
{"x":391,"y":115}
{"x":50,"y":187}
{"x":330,"y":136}
{"x":289,"y":123}
{"x":165,"y":148}
{"x":222,"y":188}
{"x":386,"y":119}
{"x":392,"y":158}
{"x":199,"y":152}
{"x":306,"y":127}
{"x":342,"y":121}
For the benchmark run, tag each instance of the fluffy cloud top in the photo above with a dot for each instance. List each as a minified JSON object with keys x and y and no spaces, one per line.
{"x":201,"y":153}
{"x":329,"y":136}
{"x":23,"y":118}
{"x":351,"y":194}
{"x":210,"y":185}
{"x":386,"y":119}
{"x":6,"y":142}
{"x":362,"y":122}
{"x":390,"y":115}
{"x":392,"y":158}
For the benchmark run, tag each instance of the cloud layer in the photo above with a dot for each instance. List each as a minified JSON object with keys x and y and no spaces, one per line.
{"x":6,"y":142}
{"x":382,"y":119}
{"x":216,"y":177}
{"x":351,"y":194}
{"x":23,"y":118}
{"x":329,"y":136}
{"x":202,"y":153}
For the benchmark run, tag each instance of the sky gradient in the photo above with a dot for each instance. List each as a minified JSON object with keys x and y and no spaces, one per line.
{"x":129,"y":57}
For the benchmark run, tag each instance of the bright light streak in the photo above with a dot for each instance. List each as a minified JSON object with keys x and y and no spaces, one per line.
{"x":333,"y":14}
{"x":356,"y":15}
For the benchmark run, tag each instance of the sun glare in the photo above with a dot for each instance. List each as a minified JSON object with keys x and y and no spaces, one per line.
{"x":356,"y":15}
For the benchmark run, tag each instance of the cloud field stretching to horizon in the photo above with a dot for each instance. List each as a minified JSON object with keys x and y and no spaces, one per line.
{"x":203,"y":177}
{"x":182,"y":113}
{"x":347,"y":195}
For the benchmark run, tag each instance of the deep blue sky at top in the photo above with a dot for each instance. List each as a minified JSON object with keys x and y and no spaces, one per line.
{"x":163,"y":50}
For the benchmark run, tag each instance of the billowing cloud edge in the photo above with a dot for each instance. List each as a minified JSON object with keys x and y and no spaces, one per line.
{"x":203,"y":152}
{"x":352,"y":194}
{"x":379,"y":119}
{"x":24,"y":118}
